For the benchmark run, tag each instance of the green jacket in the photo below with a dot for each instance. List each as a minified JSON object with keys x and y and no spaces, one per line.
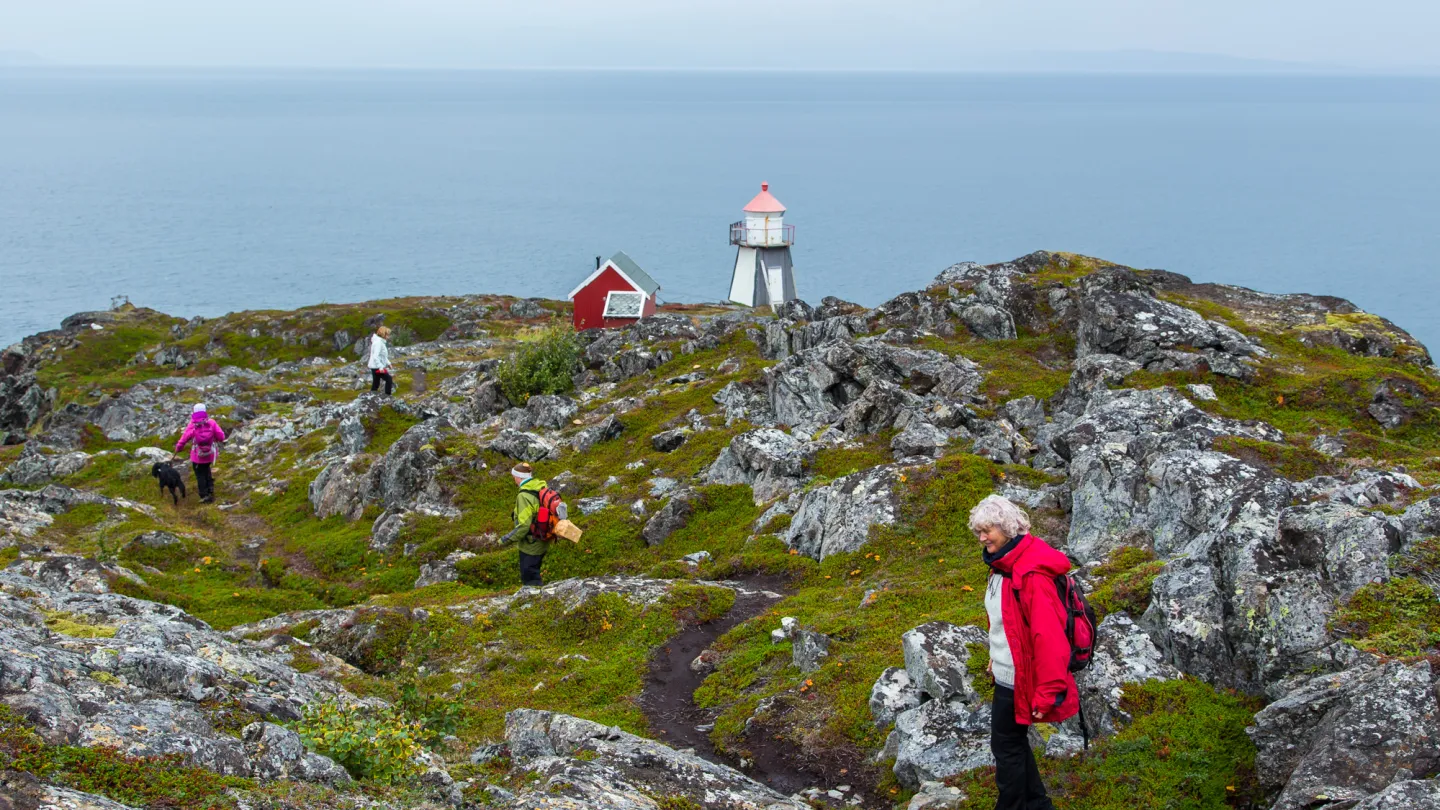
{"x":527,"y":504}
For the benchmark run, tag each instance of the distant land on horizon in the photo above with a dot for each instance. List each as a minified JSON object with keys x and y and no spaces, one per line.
{"x":1116,"y":61}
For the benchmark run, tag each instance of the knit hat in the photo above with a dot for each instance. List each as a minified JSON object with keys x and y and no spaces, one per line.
{"x":199,"y":408}
{"x":522,"y":471}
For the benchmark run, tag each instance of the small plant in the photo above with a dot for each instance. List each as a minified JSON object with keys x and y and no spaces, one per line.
{"x":378,"y":745}
{"x":1122,"y":582}
{"x":403,"y":336}
{"x":1400,"y":617}
{"x":544,"y":365}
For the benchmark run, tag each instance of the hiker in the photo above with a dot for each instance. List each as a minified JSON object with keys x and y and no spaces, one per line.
{"x":205,"y":433}
{"x":1030,"y":654}
{"x":380,"y":361}
{"x":533,"y":533}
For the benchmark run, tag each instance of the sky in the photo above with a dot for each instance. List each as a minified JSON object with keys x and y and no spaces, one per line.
{"x":1370,"y":35}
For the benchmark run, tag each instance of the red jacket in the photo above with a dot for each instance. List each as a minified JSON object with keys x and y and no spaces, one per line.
{"x":1035,"y":631}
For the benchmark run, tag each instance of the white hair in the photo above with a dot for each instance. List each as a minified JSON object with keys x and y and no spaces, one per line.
{"x":999,"y":512}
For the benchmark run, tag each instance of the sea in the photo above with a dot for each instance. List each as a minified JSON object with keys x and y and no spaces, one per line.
{"x":200,"y":192}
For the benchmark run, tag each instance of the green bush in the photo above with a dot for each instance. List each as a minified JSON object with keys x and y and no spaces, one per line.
{"x":379,"y":745}
{"x":544,"y":365}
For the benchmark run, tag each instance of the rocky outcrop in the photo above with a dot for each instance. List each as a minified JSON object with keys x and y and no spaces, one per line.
{"x":37,"y":467}
{"x":811,"y":389}
{"x":364,"y":637}
{"x":523,"y":446}
{"x":1119,"y":314}
{"x":581,"y":764}
{"x":836,"y":518}
{"x":336,"y":489}
{"x":771,"y":461}
{"x":25,"y":512}
{"x":406,"y":477}
{"x":671,"y":517}
{"x":141,"y":677}
{"x":23,"y":402}
{"x":1343,"y":737}
{"x":542,"y":411}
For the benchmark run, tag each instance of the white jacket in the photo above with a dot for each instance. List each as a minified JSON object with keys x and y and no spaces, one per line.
{"x":379,"y":353}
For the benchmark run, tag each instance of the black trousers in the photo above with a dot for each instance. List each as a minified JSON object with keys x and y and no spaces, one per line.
{"x":1016,"y":774}
{"x":376,"y":376}
{"x":204,"y":481}
{"x":530,"y":568}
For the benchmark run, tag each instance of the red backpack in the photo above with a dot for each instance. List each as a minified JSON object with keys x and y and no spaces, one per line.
{"x":1080,"y":621}
{"x":551,"y":511}
{"x":204,"y":437}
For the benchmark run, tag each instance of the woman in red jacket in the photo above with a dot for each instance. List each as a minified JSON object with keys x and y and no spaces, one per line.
{"x":1029,"y":653}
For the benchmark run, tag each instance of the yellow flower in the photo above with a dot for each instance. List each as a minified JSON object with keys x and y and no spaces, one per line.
{"x":207,"y":560}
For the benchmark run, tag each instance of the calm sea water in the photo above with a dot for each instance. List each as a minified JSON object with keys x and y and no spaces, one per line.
{"x":206,"y":192}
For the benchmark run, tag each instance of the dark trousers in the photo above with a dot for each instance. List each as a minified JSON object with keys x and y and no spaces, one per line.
{"x":204,"y":481}
{"x":530,"y":569}
{"x":1016,"y":774}
{"x":376,"y":376}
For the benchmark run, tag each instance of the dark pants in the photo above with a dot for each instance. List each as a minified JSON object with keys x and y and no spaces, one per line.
{"x":376,"y":376}
{"x":530,"y":568}
{"x":204,"y":481}
{"x":1016,"y":774}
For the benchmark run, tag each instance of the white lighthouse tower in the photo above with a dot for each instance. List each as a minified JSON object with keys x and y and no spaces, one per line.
{"x":763,"y":272}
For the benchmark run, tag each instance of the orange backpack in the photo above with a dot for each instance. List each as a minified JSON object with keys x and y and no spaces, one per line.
{"x":551,"y":511}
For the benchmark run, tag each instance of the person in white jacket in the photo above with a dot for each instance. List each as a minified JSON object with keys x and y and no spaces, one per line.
{"x":380,"y":361}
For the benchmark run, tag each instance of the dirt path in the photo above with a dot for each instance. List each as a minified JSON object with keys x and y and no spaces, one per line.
{"x":669,"y":703}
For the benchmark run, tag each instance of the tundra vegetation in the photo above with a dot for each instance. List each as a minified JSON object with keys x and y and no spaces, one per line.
{"x":1172,"y":437}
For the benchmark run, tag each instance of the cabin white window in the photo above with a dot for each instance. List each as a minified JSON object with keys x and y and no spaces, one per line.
{"x":619,"y":304}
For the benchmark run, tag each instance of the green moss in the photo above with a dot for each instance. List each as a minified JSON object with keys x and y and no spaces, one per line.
{"x":1035,"y":365}
{"x":836,"y":462}
{"x":76,"y":626}
{"x":1400,"y":617}
{"x":386,"y":427}
{"x":1124,"y":580}
{"x":978,"y":666}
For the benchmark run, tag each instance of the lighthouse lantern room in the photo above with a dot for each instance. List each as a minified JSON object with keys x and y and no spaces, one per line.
{"x":764,"y":274}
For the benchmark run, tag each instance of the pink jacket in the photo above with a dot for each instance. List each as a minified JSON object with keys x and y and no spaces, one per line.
{"x":205,"y":432}
{"x":1030,"y":607}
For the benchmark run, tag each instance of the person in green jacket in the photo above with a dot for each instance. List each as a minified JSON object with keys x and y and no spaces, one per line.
{"x":527,"y":505}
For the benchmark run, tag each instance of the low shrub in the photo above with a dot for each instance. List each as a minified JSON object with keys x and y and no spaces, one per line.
{"x":378,"y":745}
{"x":544,"y":365}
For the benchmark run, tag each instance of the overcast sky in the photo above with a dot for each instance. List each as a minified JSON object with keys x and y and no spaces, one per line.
{"x":806,"y":34}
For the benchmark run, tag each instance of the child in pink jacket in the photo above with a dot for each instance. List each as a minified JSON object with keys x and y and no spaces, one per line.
{"x":206,"y":433}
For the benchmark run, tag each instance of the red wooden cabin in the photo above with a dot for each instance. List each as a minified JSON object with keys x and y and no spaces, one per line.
{"x":618,"y":293}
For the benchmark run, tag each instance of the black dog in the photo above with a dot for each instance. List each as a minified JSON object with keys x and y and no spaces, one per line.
{"x":170,"y":479}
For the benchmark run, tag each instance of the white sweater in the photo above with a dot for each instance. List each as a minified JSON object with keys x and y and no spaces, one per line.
{"x":1002,"y":663}
{"x":379,"y":352}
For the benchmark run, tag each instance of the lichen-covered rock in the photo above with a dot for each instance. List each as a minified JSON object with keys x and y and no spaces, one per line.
{"x":542,"y":411}
{"x":941,"y":738}
{"x":671,"y":517}
{"x":771,"y":461}
{"x":1349,"y":735}
{"x":836,"y":518}
{"x":808,"y":648}
{"x":523,"y":446}
{"x":668,"y":441}
{"x":920,"y":439}
{"x":24,"y":512}
{"x":336,"y":490}
{"x":442,"y":570}
{"x":23,"y":402}
{"x":406,"y":477}
{"x":621,"y":771}
{"x":607,"y":429}
{"x":1120,"y":315}
{"x":35,"y":467}
{"x":1093,"y":373}
{"x":937,"y":657}
{"x":811,"y":389}
{"x":1412,"y":794}
{"x":893,"y":692}
{"x":745,"y":400}
{"x":877,"y":409}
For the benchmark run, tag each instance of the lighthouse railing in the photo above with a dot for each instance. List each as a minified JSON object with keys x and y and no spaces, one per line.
{"x":775,"y":236}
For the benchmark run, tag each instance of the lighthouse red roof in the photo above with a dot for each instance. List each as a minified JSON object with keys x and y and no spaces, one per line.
{"x":765,"y":202}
